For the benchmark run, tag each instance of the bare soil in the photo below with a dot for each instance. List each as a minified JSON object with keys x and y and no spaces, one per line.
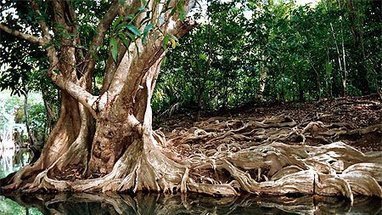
{"x":353,"y":115}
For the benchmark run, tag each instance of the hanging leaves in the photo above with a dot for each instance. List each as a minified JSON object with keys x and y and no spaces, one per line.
{"x":146,"y":31}
{"x":114,"y":48}
{"x":180,"y":10}
{"x":165,"y":41}
{"x":134,"y":30}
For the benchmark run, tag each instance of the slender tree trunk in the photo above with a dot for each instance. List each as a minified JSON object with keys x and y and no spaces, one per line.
{"x":49,"y":114}
{"x":199,"y":102}
{"x":317,"y":77}
{"x":345,"y":71}
{"x":329,"y":77}
{"x":32,"y":138}
{"x":262,"y":79}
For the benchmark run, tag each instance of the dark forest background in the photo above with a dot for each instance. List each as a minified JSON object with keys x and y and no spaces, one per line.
{"x":274,"y":51}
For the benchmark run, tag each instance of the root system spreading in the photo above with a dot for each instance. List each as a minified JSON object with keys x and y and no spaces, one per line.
{"x":277,"y":155}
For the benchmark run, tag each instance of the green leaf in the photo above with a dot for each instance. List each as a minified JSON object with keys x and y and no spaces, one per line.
{"x":146,"y":31}
{"x":134,"y":30}
{"x":165,"y":40}
{"x":130,"y":17}
{"x":131,"y":36}
{"x":125,"y":42}
{"x":117,"y":22}
{"x":114,"y":48}
{"x":202,"y":56}
{"x":328,"y":69}
{"x":181,"y":11}
{"x":142,"y":8}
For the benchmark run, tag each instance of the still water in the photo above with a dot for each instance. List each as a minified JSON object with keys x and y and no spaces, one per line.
{"x":141,"y":203}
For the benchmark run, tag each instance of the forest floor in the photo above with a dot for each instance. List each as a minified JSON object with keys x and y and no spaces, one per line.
{"x":356,"y":121}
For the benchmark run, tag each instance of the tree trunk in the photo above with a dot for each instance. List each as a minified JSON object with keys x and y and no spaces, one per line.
{"x":50,"y":116}
{"x":32,"y":138}
{"x":262,"y":78}
{"x":341,"y":61}
{"x":199,"y":102}
{"x":122,"y":146}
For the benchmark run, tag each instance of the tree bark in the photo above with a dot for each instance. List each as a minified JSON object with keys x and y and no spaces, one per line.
{"x":262,"y":78}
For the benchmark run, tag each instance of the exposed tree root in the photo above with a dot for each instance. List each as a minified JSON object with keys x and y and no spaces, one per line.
{"x":229,"y":158}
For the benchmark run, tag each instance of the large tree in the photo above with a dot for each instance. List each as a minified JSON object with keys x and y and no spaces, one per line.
{"x":104,"y":141}
{"x":110,"y":133}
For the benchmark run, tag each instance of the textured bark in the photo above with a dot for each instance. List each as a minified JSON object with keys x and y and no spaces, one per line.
{"x":262,"y":78}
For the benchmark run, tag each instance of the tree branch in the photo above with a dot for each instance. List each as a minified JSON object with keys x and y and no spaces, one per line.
{"x":77,"y":92}
{"x":51,"y":50}
{"x":21,"y":35}
{"x":102,"y":27}
{"x":183,"y":27}
{"x":111,"y":67}
{"x":41,"y":22}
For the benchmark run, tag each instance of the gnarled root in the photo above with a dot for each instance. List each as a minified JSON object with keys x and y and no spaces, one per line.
{"x":225,"y":165}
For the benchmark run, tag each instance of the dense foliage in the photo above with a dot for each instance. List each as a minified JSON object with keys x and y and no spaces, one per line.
{"x":274,"y":50}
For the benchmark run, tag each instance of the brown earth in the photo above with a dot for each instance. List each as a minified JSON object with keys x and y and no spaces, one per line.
{"x":356,"y":121}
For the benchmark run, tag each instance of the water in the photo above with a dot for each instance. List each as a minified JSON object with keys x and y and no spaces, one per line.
{"x":12,"y":160}
{"x":143,"y":203}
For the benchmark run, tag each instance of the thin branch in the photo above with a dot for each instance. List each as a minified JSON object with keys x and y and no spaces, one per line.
{"x":183,"y":27}
{"x":41,"y":22}
{"x":51,"y":50}
{"x":21,"y":35}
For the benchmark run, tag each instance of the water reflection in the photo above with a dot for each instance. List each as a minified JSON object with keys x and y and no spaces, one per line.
{"x":185,"y":204}
{"x":12,"y":160}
